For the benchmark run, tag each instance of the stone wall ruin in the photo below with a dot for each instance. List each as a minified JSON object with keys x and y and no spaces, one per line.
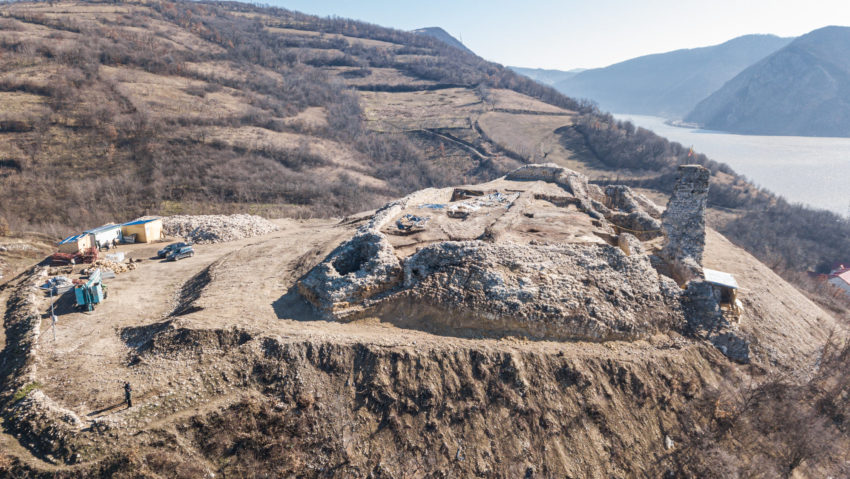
{"x":595,"y":285}
{"x":684,"y":224}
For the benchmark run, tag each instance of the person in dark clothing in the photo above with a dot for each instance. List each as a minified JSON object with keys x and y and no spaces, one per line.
{"x":128,"y":391}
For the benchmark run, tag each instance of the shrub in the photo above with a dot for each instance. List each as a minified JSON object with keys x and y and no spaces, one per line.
{"x":24,"y":391}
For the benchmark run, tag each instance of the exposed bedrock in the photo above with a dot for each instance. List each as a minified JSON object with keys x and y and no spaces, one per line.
{"x":622,"y":197}
{"x":633,"y":212}
{"x":569,"y":180}
{"x":560,"y":291}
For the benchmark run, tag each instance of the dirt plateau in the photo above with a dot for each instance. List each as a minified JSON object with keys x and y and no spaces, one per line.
{"x":519,"y":328}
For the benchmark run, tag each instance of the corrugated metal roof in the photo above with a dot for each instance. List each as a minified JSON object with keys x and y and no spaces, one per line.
{"x":845,"y":276}
{"x":101,"y":229}
{"x":720,"y":278}
{"x":141,"y":221}
{"x":73,"y":238}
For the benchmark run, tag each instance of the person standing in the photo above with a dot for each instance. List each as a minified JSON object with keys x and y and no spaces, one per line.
{"x":128,"y":394}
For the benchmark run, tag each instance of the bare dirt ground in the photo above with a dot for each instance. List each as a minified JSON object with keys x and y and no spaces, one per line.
{"x":204,"y":338}
{"x":248,"y":286}
{"x":207,"y":340}
{"x":86,"y":365}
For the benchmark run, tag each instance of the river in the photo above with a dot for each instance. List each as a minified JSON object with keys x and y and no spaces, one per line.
{"x":810,"y":170}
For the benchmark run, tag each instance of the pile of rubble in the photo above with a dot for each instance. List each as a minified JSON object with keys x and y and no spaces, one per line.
{"x":16,"y":247}
{"x":533,"y":270}
{"x":558,"y":291}
{"x":496,"y":285}
{"x":113,"y":266}
{"x":216,"y":228}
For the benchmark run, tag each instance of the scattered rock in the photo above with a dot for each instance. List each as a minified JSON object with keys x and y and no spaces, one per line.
{"x":732,"y":345}
{"x":630,"y":244}
{"x":113,"y":266}
{"x":622,"y":197}
{"x":705,"y":321}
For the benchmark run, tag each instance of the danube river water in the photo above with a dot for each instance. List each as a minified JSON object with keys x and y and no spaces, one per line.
{"x":814,"y":171}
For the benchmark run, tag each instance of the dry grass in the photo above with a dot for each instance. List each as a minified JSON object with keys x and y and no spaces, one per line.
{"x":178,"y":104}
{"x":315,"y":117}
{"x":422,"y":107}
{"x":230,"y":71}
{"x":365,"y":42}
{"x":21,"y":104}
{"x":167,"y":95}
{"x":377,"y":76}
{"x":511,"y":100}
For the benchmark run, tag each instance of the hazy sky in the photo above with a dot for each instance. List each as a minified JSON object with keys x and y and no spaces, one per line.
{"x":572,"y":34}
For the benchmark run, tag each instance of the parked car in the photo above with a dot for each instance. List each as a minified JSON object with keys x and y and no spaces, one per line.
{"x":184,"y":252}
{"x":165,"y":252}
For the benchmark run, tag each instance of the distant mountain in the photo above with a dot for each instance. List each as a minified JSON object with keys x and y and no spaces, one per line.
{"x":802,"y":89}
{"x":669,"y":84}
{"x":547,"y":77}
{"x":443,"y":36}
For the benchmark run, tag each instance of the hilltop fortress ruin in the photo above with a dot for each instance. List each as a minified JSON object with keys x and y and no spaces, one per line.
{"x":536,"y":309}
{"x":540,"y":253}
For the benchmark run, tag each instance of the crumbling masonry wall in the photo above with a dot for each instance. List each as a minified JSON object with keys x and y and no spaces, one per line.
{"x":684,"y":224}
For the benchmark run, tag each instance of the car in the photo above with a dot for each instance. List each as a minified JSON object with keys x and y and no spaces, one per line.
{"x":184,"y":252}
{"x":164,"y":252}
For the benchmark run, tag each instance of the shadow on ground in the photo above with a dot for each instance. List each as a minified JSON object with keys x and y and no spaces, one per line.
{"x":293,"y":306}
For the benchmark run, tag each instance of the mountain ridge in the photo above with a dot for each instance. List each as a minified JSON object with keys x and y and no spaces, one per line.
{"x":803,"y":89}
{"x":440,"y":34}
{"x":547,"y":76}
{"x":669,"y":84}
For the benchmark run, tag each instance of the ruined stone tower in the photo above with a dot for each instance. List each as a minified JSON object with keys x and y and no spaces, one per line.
{"x":684,"y":224}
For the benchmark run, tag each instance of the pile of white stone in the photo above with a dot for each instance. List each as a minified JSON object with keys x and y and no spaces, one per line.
{"x":216,"y":228}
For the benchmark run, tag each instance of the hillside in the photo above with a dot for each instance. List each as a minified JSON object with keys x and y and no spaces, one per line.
{"x":547,"y":76}
{"x":583,"y":361}
{"x":802,"y":89}
{"x":669,"y":84}
{"x":468,"y":276}
{"x":113,"y":111}
{"x":443,"y":36}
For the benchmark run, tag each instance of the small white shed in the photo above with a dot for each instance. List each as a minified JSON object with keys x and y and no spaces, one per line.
{"x":104,"y":234}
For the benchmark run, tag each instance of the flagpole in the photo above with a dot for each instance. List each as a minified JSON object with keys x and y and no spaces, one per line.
{"x":52,"y":315}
